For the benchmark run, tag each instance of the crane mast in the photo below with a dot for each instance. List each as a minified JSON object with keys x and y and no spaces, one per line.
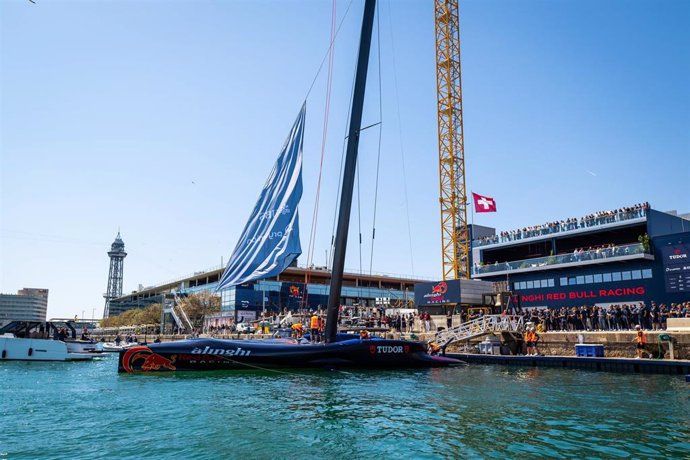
{"x":451,"y":152}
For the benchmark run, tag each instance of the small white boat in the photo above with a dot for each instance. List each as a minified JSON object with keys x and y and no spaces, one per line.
{"x":114,"y":347}
{"x":84,"y":346}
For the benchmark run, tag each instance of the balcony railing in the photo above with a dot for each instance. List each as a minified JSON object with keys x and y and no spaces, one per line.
{"x":563,"y":226}
{"x":595,"y":254}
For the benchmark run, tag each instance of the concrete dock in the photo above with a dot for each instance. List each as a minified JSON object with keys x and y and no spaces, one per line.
{"x":628,"y":365}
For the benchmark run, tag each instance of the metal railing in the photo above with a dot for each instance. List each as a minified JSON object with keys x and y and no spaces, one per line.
{"x":562,"y":226}
{"x":480,"y":326}
{"x":594,"y":254}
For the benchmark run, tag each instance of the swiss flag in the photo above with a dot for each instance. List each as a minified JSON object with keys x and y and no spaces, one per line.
{"x":483,"y":203}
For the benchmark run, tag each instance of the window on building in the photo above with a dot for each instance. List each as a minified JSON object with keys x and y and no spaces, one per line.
{"x":647,"y":273}
{"x":551,"y":282}
{"x":626,"y":276}
{"x":581,"y":279}
{"x":597,"y":278}
{"x":589,"y":279}
{"x":530,"y":284}
{"x":616,"y":276}
{"x":572,"y":281}
{"x":607,"y":277}
{"x":564,"y":281}
{"x":637,"y":274}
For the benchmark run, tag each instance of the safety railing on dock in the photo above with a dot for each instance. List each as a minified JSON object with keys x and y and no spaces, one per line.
{"x":480,"y":326}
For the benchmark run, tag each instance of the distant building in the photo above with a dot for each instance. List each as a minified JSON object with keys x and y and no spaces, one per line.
{"x":28,"y":304}
{"x":295,"y":288}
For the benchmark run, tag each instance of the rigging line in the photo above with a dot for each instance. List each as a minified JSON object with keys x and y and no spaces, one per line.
{"x":324,"y":137}
{"x":378,"y":155}
{"x":330,"y":46}
{"x":254,"y":366}
{"x":359,"y":226}
{"x":402,"y":149}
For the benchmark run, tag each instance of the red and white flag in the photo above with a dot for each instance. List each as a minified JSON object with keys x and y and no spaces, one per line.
{"x":483,"y":203}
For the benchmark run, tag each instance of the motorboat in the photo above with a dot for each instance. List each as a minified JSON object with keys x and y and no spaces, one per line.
{"x":111,"y":347}
{"x":31,"y":341}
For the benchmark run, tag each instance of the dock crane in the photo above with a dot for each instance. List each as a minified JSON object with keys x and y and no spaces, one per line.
{"x":453,"y":196}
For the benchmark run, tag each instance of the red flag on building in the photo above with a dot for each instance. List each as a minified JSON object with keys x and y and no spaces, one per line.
{"x":483,"y":203}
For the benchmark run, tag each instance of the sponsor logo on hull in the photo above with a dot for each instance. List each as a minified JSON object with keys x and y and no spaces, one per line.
{"x":384,"y":349}
{"x":150,"y":361}
{"x":221,"y":351}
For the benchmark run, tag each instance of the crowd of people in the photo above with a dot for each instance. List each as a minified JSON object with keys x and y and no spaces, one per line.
{"x":623,"y":317}
{"x":597,"y":218}
{"x":619,"y":317}
{"x":579,"y":254}
{"x":600,"y":252}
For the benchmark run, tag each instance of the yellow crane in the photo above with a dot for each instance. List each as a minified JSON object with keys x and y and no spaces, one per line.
{"x":451,"y":151}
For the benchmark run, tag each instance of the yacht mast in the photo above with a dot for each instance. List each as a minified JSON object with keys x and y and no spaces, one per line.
{"x":349,"y":172}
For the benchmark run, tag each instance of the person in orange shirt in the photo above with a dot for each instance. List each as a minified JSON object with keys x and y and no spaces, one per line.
{"x":641,"y":342}
{"x":531,"y":337}
{"x":297,"y":330}
{"x":314,"y":324}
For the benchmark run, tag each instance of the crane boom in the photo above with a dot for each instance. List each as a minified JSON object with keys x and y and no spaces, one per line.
{"x":451,"y":151}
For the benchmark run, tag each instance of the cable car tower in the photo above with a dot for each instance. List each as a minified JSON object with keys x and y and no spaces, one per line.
{"x":451,"y":152}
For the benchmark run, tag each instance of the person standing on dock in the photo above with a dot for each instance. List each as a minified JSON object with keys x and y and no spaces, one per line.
{"x":531,"y":337}
{"x":641,"y":341}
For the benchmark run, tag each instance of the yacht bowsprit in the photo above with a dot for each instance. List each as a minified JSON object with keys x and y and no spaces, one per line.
{"x":269,"y":243}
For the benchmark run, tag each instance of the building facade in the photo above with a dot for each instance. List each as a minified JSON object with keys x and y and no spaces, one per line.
{"x":294,"y":289}
{"x":28,"y":304}
{"x":630,"y":256}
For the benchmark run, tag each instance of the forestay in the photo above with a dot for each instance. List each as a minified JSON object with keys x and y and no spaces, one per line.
{"x":270,"y":240}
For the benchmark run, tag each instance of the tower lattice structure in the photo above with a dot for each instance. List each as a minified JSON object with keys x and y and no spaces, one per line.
{"x":117,"y":256}
{"x":451,"y":145}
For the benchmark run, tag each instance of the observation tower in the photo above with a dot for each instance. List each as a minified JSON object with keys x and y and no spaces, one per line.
{"x":117,"y":257}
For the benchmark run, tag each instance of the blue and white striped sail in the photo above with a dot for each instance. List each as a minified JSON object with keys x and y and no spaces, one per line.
{"x":270,"y":240}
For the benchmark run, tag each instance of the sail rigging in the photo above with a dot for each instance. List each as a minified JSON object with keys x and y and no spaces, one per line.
{"x":270,"y":240}
{"x":269,"y":243}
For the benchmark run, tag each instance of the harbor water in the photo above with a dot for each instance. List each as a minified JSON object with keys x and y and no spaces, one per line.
{"x":88,"y":410}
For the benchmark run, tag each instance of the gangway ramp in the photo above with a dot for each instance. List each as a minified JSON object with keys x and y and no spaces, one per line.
{"x":178,"y":314}
{"x":486,"y":324}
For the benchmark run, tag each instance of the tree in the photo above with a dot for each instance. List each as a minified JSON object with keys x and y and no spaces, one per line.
{"x":198,"y":305}
{"x":644,"y":241}
{"x":135,"y":317}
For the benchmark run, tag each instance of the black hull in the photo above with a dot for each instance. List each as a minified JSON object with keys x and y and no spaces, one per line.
{"x":216,"y":354}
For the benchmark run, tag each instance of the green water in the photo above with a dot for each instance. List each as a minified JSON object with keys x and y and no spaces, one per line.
{"x":87,"y":410}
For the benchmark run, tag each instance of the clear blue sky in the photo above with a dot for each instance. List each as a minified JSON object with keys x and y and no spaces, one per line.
{"x":163,"y":119}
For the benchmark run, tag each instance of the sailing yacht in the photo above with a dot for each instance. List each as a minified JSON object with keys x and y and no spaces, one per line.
{"x":267,"y":246}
